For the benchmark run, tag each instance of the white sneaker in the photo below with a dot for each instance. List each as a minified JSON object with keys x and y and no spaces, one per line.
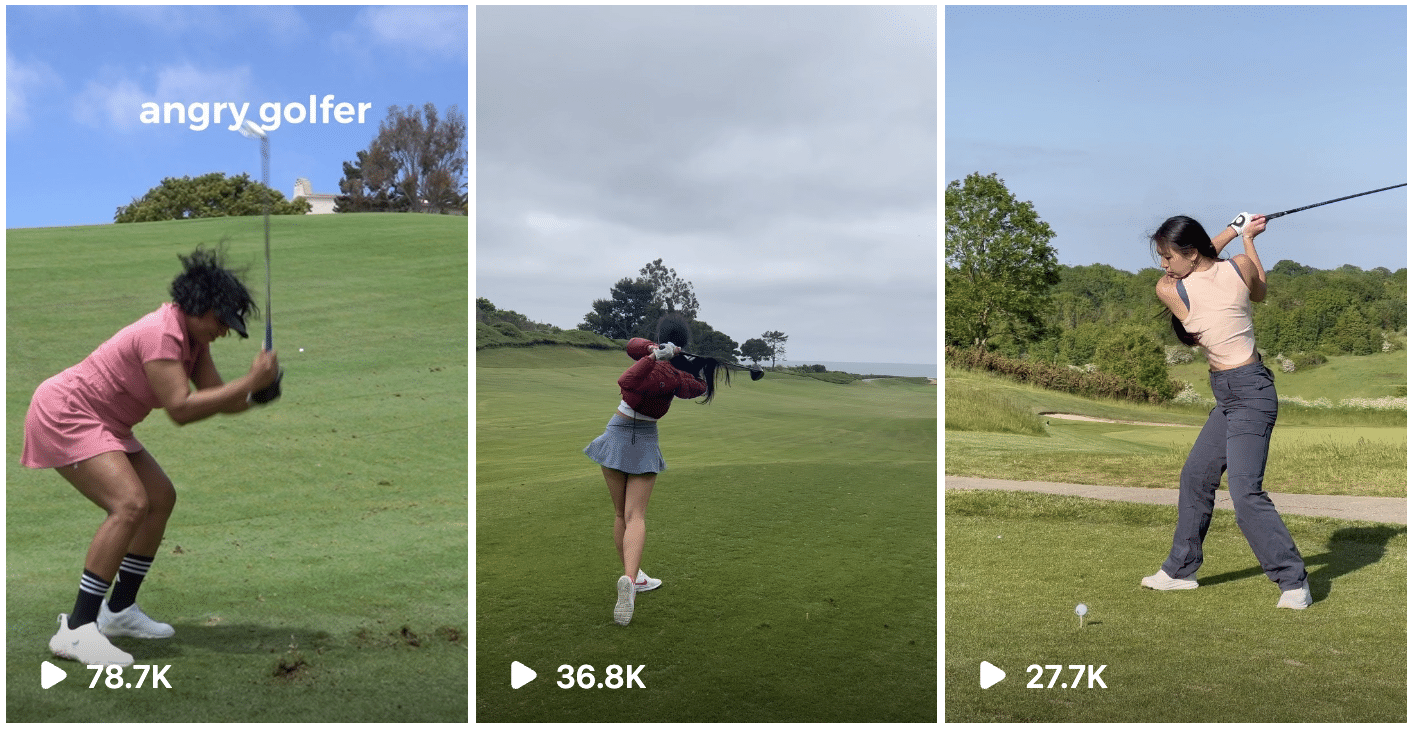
{"x":131,"y":621}
{"x":85,"y":645}
{"x":622,"y":613}
{"x":1298,"y":598}
{"x":1162,"y":582}
{"x":644,"y":583}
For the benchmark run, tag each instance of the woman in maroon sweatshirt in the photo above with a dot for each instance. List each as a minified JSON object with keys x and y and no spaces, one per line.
{"x":628,"y":451}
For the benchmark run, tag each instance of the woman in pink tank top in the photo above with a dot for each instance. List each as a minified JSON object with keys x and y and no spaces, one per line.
{"x":80,"y":423}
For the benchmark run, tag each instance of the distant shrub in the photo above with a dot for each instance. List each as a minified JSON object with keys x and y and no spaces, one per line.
{"x":1186,"y":393}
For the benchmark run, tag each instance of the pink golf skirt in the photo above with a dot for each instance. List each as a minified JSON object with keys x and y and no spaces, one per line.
{"x":62,"y":428}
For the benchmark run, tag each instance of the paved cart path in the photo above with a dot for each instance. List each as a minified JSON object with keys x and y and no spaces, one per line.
{"x":1373,"y":509}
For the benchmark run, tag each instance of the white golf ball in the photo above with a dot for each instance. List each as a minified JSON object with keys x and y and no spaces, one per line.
{"x":1081,"y":609}
{"x":301,"y":349}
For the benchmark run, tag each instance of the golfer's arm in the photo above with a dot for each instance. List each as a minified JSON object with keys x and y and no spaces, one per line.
{"x":1258,"y":287}
{"x":207,"y":377}
{"x":1226,"y":235}
{"x":185,"y":406}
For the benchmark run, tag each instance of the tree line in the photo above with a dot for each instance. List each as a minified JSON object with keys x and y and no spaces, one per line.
{"x":632,"y":309}
{"x":635,"y":304}
{"x":415,"y":163}
{"x":1006,"y":293}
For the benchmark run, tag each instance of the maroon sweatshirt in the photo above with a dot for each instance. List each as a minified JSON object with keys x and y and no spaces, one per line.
{"x":649,"y":385}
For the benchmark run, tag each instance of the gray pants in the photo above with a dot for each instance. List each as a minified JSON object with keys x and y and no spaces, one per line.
{"x":1235,"y":439}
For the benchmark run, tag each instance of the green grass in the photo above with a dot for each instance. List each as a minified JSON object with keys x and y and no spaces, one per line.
{"x":1341,"y":378}
{"x":787,"y":503}
{"x":1312,"y":451}
{"x":1017,"y":564}
{"x":326,"y":532}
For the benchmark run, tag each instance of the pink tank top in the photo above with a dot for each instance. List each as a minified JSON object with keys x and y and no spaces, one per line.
{"x":1219,"y":314}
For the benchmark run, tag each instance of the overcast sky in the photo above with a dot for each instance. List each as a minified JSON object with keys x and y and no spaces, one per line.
{"x":76,"y":79}
{"x":781,"y":159}
{"x":1111,"y":119}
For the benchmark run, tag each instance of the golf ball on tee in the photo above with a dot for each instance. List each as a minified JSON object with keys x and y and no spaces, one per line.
{"x":1081,"y":609}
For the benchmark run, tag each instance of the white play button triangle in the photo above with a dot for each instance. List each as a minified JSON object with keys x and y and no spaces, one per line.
{"x":50,"y":675}
{"x":520,"y":675}
{"x":990,"y":674}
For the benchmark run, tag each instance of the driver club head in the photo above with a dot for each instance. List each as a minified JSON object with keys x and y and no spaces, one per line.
{"x":757,"y":374}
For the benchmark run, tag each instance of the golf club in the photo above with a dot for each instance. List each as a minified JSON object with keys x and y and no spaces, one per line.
{"x":755,"y":373}
{"x":253,"y":131}
{"x":1335,"y":200}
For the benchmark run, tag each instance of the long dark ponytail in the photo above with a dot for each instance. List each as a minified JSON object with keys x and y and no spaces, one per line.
{"x":674,"y":328}
{"x":1181,"y":235}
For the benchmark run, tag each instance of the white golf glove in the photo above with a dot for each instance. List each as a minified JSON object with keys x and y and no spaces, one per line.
{"x":666,"y":351}
{"x":1239,"y":223}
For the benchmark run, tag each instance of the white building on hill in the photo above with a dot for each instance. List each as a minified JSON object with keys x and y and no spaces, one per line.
{"x":320,"y":202}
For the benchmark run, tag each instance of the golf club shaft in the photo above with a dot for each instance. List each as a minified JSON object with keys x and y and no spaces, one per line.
{"x":265,"y":175}
{"x":1335,"y":200}
{"x":723,"y":362}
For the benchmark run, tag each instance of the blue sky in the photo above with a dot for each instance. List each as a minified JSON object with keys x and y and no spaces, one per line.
{"x":1110,"y":119}
{"x":76,"y":79}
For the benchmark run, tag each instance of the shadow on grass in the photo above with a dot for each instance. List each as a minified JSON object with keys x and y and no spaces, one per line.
{"x":1349,"y":549}
{"x":227,"y":639}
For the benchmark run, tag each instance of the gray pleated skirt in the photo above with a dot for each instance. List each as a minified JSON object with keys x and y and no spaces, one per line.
{"x":628,"y":445}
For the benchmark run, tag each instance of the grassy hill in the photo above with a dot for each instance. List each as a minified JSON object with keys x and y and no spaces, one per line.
{"x":1343,"y":377}
{"x":994,"y":428}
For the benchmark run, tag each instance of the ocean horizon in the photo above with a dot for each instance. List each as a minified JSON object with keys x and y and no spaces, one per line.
{"x":899,"y":369}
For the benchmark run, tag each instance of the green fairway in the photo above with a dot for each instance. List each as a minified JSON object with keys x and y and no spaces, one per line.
{"x":794,"y":531}
{"x":315,"y":568}
{"x":1017,"y":565}
{"x":997,"y":432}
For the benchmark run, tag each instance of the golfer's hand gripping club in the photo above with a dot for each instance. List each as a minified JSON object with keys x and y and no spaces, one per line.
{"x":665,"y":351}
{"x":265,"y":362}
{"x":1239,"y":223}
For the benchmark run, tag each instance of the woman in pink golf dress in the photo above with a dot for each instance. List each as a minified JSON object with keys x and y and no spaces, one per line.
{"x":80,"y":424}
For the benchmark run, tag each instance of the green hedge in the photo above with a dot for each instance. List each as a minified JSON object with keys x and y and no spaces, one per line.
{"x":1056,"y":377}
{"x":504,"y":334}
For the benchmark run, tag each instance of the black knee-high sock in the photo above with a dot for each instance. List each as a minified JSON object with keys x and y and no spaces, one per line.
{"x":130,"y":575}
{"x":90,"y":597}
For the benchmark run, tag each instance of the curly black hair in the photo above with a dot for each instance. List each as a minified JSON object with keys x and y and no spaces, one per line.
{"x":206,"y":284}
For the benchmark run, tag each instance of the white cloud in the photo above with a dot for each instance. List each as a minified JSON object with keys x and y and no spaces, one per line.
{"x":436,"y":30}
{"x":115,"y":101}
{"x":23,"y":81}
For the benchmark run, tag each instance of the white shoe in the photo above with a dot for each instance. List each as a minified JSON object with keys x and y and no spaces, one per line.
{"x":85,"y":645}
{"x":131,"y":621}
{"x":1162,"y":582}
{"x":622,"y":613}
{"x":644,"y":583}
{"x":1298,"y":598}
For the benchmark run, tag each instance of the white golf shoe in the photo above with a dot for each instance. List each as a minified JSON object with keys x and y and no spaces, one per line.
{"x":85,"y":645}
{"x":1163,"y":582}
{"x":622,"y":613}
{"x":1297,"y":598}
{"x":131,"y":621}
{"x":645,"y":583}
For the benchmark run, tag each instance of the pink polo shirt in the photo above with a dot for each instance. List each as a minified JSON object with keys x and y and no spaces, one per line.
{"x":91,"y":407}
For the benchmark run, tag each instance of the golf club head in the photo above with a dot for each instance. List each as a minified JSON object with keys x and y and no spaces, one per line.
{"x":251,"y":130}
{"x":756,"y":374}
